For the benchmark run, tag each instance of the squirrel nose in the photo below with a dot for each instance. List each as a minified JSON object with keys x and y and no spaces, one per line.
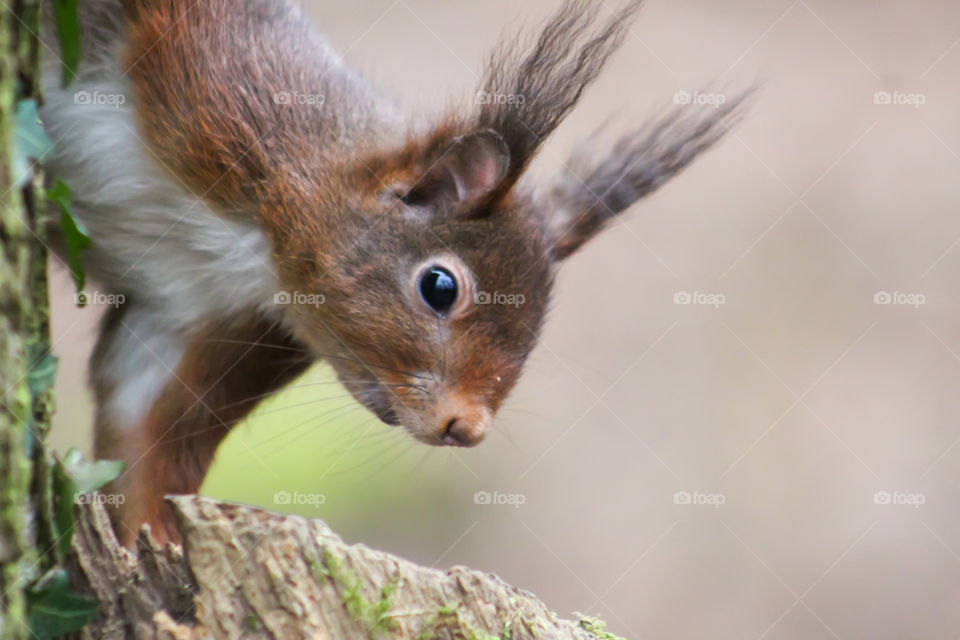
{"x":466,"y":428}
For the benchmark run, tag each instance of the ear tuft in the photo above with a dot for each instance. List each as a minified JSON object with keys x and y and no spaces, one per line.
{"x":640,"y":163}
{"x":545,"y":81}
{"x":471,"y":167}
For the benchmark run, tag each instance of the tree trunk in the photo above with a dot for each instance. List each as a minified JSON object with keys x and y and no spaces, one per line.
{"x":247,"y":573}
{"x":24,"y":401}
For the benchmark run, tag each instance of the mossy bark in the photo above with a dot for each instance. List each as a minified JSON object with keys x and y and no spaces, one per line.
{"x":246,"y":573}
{"x":24,"y":415}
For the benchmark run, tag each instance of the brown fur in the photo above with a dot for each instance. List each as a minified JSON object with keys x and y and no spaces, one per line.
{"x":228,"y":369}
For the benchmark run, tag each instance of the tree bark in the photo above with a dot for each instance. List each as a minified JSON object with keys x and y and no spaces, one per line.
{"x":24,"y":409}
{"x":246,"y":573}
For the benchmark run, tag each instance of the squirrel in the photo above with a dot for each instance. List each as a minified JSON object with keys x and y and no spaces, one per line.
{"x":262,"y":207}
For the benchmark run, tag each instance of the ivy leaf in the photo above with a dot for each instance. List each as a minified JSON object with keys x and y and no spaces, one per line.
{"x":68,"y":35}
{"x":29,"y":141}
{"x":74,"y":233}
{"x":41,"y":375}
{"x":53,"y":610}
{"x":72,"y":475}
{"x":90,"y":475}
{"x":64,"y":494}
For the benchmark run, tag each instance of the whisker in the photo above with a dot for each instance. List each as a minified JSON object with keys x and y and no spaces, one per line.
{"x":310,"y":260}
{"x":376,"y":366}
{"x":316,"y":354}
{"x":443,"y":353}
{"x":366,"y":426}
{"x":382,"y":466}
{"x":497,"y":428}
{"x":221,"y":424}
{"x":377,"y":456}
{"x":330,"y":416}
{"x":281,"y":347}
{"x":526,"y":412}
{"x":305,"y":385}
{"x":299,"y":404}
{"x":419,"y":465}
{"x":388,"y":433}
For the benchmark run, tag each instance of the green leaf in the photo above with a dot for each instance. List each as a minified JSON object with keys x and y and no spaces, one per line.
{"x":74,"y":233}
{"x":64,"y":493}
{"x":53,"y":610}
{"x":68,"y":34}
{"x":72,"y":475}
{"x":41,"y":375}
{"x":29,"y":142}
{"x":90,"y":475}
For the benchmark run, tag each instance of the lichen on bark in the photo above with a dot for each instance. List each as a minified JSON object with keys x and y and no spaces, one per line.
{"x":24,"y":409}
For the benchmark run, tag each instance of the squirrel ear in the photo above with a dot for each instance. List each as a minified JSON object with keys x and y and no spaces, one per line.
{"x":472,"y":166}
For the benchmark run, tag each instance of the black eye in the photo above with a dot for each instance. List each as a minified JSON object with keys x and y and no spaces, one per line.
{"x":438,"y":288}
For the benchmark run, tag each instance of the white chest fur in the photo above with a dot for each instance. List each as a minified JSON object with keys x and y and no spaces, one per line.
{"x":153,"y":239}
{"x":177,"y":262}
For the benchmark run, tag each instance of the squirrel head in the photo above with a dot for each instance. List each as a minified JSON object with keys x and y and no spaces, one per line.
{"x":434,"y":288}
{"x":437,"y":277}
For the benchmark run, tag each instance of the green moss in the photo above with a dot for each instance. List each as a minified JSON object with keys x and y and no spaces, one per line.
{"x":448,"y":617}
{"x":374,"y":615}
{"x":319,"y":571}
{"x":439,"y":620}
{"x":597,"y":627}
{"x":24,"y":495}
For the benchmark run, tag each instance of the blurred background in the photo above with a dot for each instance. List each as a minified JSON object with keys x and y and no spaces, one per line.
{"x":742,"y":421}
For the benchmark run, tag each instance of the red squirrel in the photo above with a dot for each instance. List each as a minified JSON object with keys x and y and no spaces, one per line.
{"x":261,"y":207}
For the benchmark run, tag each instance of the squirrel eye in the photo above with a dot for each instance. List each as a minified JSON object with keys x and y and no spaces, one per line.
{"x":438,"y":287}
